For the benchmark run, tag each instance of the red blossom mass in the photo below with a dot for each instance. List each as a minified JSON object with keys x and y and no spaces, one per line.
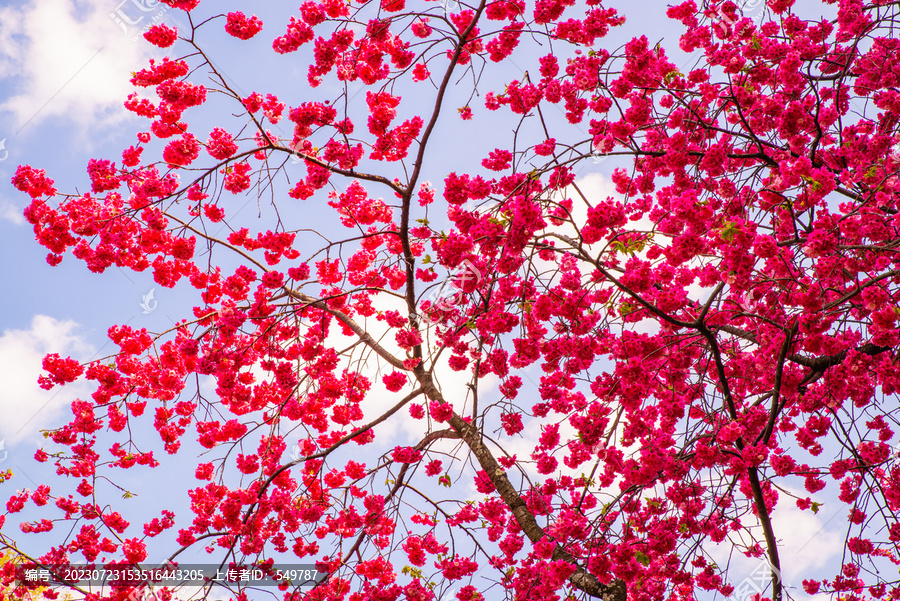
{"x":708,"y":337}
{"x":238,"y":25}
{"x":161,"y":35}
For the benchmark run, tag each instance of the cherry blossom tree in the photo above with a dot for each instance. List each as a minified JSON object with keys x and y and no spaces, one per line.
{"x":605,"y":388}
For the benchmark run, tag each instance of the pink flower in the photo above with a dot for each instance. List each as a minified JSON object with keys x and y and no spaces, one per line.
{"x":214,"y":213}
{"x":814,"y":484}
{"x":407,"y":339}
{"x":440,"y":412}
{"x":161,"y":35}
{"x":135,"y":550}
{"x":182,"y":151}
{"x":406,"y":455}
{"x":247,"y":464}
{"x":811,"y":586}
{"x":273,"y":279}
{"x":511,"y":422}
{"x":185,"y":5}
{"x":220,"y":144}
{"x":420,"y":28}
{"x":394,"y":381}
{"x":238,"y":25}
{"x":41,"y":495}
{"x":420,"y":72}
{"x":272,"y":108}
{"x":61,"y":371}
{"x":546,"y":147}
{"x":204,"y":471}
{"x":299,"y":273}
{"x":546,"y":464}
{"x":33,"y":182}
{"x":458,"y":363}
{"x":253,"y":102}
{"x":237,"y":180}
{"x":498,"y":160}
{"x":860,"y":546}
{"x":393,"y":6}
{"x":457,"y":567}
{"x":469,"y":593}
{"x":483,"y":483}
{"x":85,"y":489}
{"x":298,"y":33}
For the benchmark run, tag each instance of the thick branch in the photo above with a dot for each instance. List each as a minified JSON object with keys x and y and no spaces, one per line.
{"x":752,"y":474}
{"x":776,"y":388}
{"x":581,"y":578}
{"x":348,"y":321}
{"x":817,"y":364}
{"x":769,"y":533}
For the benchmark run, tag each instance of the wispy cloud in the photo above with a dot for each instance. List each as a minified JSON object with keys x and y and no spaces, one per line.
{"x":65,"y":58}
{"x":10,"y":212}
{"x":25,"y":408}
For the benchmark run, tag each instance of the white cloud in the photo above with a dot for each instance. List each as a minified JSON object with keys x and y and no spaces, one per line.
{"x":804,"y":540}
{"x":25,"y":407}
{"x":806,"y":544}
{"x":73,"y":57}
{"x":10,"y":212}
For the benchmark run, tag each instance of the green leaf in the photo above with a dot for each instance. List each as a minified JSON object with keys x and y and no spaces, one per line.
{"x":728,"y":231}
{"x":812,"y":183}
{"x":411,"y":571}
{"x":627,"y":308}
{"x":671,"y":75}
{"x":642,"y":558}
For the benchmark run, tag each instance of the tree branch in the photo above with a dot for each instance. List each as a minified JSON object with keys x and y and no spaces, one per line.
{"x":581,"y":578}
